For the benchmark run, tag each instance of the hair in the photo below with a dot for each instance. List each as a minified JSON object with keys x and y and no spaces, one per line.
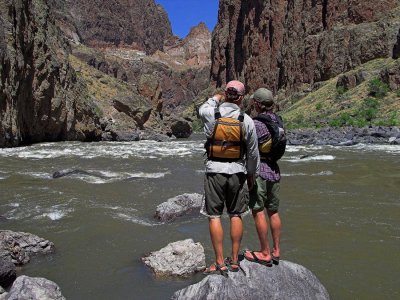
{"x":231,"y":97}
{"x":264,"y":108}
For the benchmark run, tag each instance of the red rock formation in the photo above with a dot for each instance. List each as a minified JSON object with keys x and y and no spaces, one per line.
{"x":283,"y":44}
{"x":140,"y":24}
{"x":194,"y":49}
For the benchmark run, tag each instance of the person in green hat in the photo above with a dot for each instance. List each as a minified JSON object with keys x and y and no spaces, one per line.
{"x":264,"y":196}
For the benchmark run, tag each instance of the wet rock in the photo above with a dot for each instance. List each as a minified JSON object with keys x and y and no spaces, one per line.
{"x":285,"y":281}
{"x":181,"y":258}
{"x":21,"y":246}
{"x":178,"y":206}
{"x":36,"y":288}
{"x":181,"y":128}
{"x":125,"y":136}
{"x":8,"y":271}
{"x":342,"y":136}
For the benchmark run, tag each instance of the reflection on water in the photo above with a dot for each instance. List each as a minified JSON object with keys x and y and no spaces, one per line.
{"x":340,"y":210}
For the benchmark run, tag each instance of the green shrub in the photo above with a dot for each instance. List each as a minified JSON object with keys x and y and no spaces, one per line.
{"x":393,"y":119}
{"x":369,"y":109}
{"x":377,"y":88}
{"x":398,"y":93}
{"x":318,"y":106}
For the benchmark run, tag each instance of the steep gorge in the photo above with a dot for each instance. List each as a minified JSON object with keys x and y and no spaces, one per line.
{"x":285,"y":44}
{"x":40,"y":96}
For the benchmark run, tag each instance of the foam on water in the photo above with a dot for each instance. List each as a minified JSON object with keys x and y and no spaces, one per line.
{"x":108,"y":177}
{"x":323,"y":173}
{"x":42,"y":175}
{"x":133,"y":219}
{"x":312,"y":158}
{"x":55,"y":215}
{"x":141,"y":149}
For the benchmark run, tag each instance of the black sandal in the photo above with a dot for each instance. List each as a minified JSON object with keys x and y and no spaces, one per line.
{"x":275,"y":259}
{"x":218,"y":270}
{"x":230,"y":262}
{"x":255,"y":259}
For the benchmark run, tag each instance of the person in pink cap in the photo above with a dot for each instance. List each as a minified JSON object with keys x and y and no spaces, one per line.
{"x":230,"y":168}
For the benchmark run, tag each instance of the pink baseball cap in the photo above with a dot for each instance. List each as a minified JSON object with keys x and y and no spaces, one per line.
{"x":235,"y":86}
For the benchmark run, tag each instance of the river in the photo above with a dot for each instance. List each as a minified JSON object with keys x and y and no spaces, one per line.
{"x":340,"y":208}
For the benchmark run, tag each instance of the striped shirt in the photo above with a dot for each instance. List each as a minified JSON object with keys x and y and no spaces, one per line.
{"x":268,"y":170}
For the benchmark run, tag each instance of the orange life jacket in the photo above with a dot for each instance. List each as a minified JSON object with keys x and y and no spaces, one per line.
{"x":227,"y":141}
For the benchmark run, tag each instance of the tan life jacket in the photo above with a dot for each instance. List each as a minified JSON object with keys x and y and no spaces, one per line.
{"x":227,"y":141}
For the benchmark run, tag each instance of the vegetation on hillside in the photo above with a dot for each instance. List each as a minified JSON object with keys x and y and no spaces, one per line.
{"x":371,"y":102}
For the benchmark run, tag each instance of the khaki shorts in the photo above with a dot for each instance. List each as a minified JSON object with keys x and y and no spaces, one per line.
{"x":264,"y":195}
{"x":222,"y":190}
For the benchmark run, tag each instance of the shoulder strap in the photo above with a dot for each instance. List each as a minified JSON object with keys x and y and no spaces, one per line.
{"x":241,"y":116}
{"x":217,"y":113}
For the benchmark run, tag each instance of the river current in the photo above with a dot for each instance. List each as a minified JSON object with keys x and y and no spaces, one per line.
{"x":340,"y":209}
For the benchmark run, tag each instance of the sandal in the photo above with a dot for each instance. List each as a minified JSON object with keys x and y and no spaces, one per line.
{"x":233,"y":266}
{"x":275,"y":259}
{"x":218,"y":270}
{"x":255,"y":259}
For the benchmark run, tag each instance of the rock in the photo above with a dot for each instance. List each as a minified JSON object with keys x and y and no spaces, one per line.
{"x":181,"y":128}
{"x":285,"y":281}
{"x":181,"y":258}
{"x":394,"y":141}
{"x":178,"y":206}
{"x":21,"y":245}
{"x":42,"y":97}
{"x":135,"y":107}
{"x":125,"y":136}
{"x":342,"y":136}
{"x":25,"y":287}
{"x":140,"y":24}
{"x":347,"y":143}
{"x":304,"y":42}
{"x":195,"y":49}
{"x":8,"y":272}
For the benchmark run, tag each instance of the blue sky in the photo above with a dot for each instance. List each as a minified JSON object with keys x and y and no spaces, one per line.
{"x":184,"y":14}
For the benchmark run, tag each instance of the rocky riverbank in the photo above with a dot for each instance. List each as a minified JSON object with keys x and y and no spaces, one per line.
{"x":346,"y":136}
{"x":16,"y":249}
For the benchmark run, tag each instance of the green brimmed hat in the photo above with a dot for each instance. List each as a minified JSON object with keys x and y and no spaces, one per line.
{"x":264,"y":96}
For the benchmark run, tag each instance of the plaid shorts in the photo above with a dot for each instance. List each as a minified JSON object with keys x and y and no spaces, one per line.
{"x":222,"y":190}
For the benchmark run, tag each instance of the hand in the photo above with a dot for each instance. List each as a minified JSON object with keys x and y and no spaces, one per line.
{"x":250,"y":181}
{"x":218,"y":97}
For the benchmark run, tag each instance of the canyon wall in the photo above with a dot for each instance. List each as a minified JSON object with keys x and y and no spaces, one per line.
{"x":285,"y":44}
{"x":140,"y":24}
{"x":41,"y":98}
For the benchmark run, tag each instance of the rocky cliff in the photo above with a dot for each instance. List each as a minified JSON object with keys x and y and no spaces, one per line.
{"x":139,"y":24}
{"x":41,"y":98}
{"x":284,"y":44}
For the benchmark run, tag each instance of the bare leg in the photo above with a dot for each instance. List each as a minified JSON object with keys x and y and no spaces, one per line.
{"x":275,"y":221}
{"x":236,"y":236}
{"x":262,"y":231}
{"x":217,"y":237}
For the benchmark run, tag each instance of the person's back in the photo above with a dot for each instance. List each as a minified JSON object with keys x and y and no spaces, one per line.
{"x":225,"y":177}
{"x":264,"y":196}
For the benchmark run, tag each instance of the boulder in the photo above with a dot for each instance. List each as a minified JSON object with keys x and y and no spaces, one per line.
{"x":36,"y":288}
{"x":8,"y":271}
{"x":181,"y":128}
{"x":21,"y":246}
{"x":178,"y":206}
{"x":284,"y":281}
{"x":181,"y":258}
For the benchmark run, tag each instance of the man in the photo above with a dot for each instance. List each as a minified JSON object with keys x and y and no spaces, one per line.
{"x":265,"y":192}
{"x":229,"y":163}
